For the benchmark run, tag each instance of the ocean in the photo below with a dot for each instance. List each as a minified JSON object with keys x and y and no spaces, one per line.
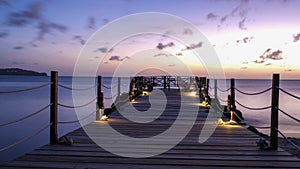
{"x":16,"y":105}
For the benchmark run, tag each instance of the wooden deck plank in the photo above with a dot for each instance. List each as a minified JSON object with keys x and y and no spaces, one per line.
{"x":228,"y":147}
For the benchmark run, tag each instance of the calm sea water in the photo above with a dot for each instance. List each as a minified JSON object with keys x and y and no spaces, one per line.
{"x":16,"y":105}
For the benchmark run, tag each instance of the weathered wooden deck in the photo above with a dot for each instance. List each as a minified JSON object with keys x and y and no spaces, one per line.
{"x":228,"y":147}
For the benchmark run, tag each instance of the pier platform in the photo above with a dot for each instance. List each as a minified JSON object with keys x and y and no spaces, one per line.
{"x":230,"y":146}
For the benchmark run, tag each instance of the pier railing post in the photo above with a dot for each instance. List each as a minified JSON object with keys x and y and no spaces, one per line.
{"x":207,"y":87}
{"x":191,"y":80}
{"x":165,"y":82}
{"x":232,"y":94}
{"x":53,"y":107}
{"x":202,"y":87}
{"x":232,"y":100}
{"x":131,"y":90}
{"x":216,"y":89}
{"x":228,"y":103}
{"x":119,"y":87}
{"x":274,"y":113}
{"x":153,"y":81}
{"x":177,"y":82}
{"x":169,"y":83}
{"x":100,"y":99}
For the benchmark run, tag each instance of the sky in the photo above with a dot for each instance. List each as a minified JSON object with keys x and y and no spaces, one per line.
{"x":252,"y":38}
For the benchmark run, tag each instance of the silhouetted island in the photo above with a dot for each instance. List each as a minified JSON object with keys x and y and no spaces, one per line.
{"x":22,"y":72}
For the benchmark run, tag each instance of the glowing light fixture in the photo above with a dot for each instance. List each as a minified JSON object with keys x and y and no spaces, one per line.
{"x":104,"y":118}
{"x":231,"y":122}
{"x":193,"y":94}
{"x":204,"y":104}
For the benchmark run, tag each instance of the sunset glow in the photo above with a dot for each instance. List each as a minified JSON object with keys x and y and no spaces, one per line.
{"x":252,"y":39}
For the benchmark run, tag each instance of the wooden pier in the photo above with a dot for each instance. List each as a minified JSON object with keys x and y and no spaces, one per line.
{"x":230,"y":146}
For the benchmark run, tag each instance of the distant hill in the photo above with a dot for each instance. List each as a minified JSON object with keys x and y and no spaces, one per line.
{"x":21,"y":72}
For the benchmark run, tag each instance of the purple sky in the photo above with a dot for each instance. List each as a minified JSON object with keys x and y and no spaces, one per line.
{"x":253,"y":38}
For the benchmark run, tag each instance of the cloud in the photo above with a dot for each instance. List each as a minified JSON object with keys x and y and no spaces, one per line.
{"x":161,"y":46}
{"x":103,"y":50}
{"x":162,"y":54}
{"x":17,"y":63}
{"x":46,"y":27}
{"x":268,"y":64}
{"x":5,"y":3}
{"x":3,"y":34}
{"x":269,"y":55}
{"x":126,"y":57}
{"x":259,"y":61}
{"x":79,"y":39}
{"x":288,"y":70}
{"x":27,"y":16}
{"x":33,"y":15}
{"x":187,"y":31}
{"x":193,"y":46}
{"x":242,"y":24}
{"x":33,"y":44}
{"x":91,"y":22}
{"x":211,"y":16}
{"x":223,"y":19}
{"x":118,"y":58}
{"x":276,"y":55}
{"x":296,"y":37}
{"x":245,"y":40}
{"x":240,"y":11}
{"x":105,"y":21}
{"x":18,"y":47}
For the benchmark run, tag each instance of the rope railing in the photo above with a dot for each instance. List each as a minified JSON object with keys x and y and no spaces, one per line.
{"x":292,"y":143}
{"x":107,"y":87}
{"x":250,"y":108}
{"x":111,"y":97}
{"x":78,"y":120}
{"x":53,"y":106}
{"x":223,"y":90}
{"x":77,"y":106}
{"x":24,"y":90}
{"x":288,"y":93}
{"x":25,"y":117}
{"x":251,"y":94}
{"x":222,"y":100}
{"x":76,"y":89}
{"x":274,"y":107}
{"x":294,"y":118}
{"x":219,"y":108}
{"x":236,"y":115}
{"x":261,"y":127}
{"x":25,"y":139}
{"x":108,"y":98}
